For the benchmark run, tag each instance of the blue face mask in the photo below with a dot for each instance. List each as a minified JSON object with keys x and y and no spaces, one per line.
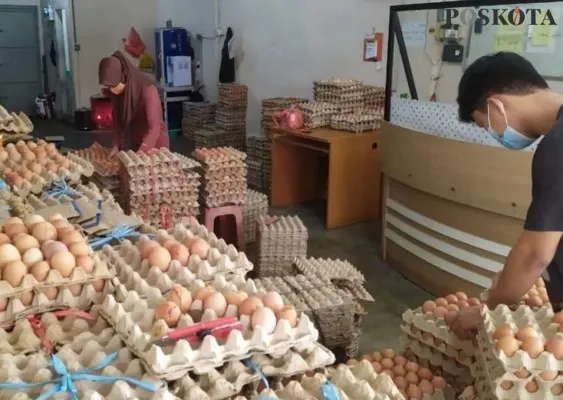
{"x":510,"y":138}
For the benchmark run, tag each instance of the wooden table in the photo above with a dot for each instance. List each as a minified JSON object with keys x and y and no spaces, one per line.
{"x":354,"y":173}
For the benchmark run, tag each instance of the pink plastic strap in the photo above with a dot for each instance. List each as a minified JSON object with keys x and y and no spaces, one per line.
{"x":165,"y":217}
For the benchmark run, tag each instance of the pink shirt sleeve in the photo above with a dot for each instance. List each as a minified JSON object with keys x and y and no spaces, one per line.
{"x":154,"y":117}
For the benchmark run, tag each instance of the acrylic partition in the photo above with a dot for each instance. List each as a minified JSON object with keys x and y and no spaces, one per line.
{"x":454,"y":201}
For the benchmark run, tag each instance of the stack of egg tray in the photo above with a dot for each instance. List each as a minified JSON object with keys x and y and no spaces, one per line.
{"x":224,"y":176}
{"x":280,"y":240}
{"x":232,"y":96}
{"x":196,"y":115}
{"x":357,"y":122}
{"x":106,"y":168}
{"x":330,"y":307}
{"x":351,"y":382}
{"x":520,"y":376}
{"x":535,"y":297}
{"x":221,"y":260}
{"x":255,"y":172}
{"x":273,"y":106}
{"x":211,"y":136}
{"x":255,"y":206}
{"x":231,"y":112}
{"x":259,"y":151}
{"x":131,"y":311}
{"x":161,"y":187}
{"x":458,"y":376}
{"x":12,"y":123}
{"x":318,"y":114}
{"x":335,"y":90}
{"x":434,"y":332}
{"x":374,"y":97}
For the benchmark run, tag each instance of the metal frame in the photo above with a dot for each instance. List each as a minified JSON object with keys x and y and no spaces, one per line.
{"x":395,"y":32}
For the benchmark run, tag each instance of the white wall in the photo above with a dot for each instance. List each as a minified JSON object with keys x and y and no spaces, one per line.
{"x":287,"y":44}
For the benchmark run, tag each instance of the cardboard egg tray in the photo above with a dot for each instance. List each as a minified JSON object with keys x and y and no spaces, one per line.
{"x":133,"y":317}
{"x":497,"y":362}
{"x":210,"y":136}
{"x":232,"y":95}
{"x":356,"y":122}
{"x":19,"y":307}
{"x":272,"y":106}
{"x":128,"y":260}
{"x":280,"y":240}
{"x":78,"y":168}
{"x":21,"y":338}
{"x":317,"y":114}
{"x":14,"y":123}
{"x":456,"y":374}
{"x":335,"y":90}
{"x":255,"y":206}
{"x":255,"y":175}
{"x":196,"y":115}
{"x":79,"y":356}
{"x":357,"y":382}
{"x":341,"y":273}
{"x":374,"y":97}
{"x":258,"y":149}
{"x":434,"y":332}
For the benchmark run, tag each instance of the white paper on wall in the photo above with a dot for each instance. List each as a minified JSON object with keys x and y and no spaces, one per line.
{"x":414,"y":33}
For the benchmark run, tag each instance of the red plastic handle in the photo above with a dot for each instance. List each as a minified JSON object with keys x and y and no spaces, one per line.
{"x":196,"y":328}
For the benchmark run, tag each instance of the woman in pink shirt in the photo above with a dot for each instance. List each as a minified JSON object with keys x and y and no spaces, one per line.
{"x":137,"y":113}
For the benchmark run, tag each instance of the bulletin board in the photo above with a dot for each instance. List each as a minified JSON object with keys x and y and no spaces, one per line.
{"x":542,"y":46}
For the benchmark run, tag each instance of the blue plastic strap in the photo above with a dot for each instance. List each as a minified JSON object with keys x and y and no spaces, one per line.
{"x":253,"y":366}
{"x":3,"y":184}
{"x":65,"y":382}
{"x":98,"y":218}
{"x":329,"y":391}
{"x":76,"y":207}
{"x":60,"y":189}
{"x":118,"y":233}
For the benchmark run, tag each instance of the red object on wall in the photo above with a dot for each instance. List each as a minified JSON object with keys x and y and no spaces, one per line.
{"x":102,"y":112}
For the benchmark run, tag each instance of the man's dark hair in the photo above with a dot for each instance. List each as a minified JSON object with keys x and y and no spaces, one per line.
{"x":500,"y":73}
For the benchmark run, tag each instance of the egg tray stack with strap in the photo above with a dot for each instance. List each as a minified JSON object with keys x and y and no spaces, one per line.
{"x":330,"y":308}
{"x":196,"y":116}
{"x":273,"y":106}
{"x":361,"y":120}
{"x":507,"y":368}
{"x":280,"y":240}
{"x":14,"y":124}
{"x":211,"y":136}
{"x":224,"y":176}
{"x":232,"y":102}
{"x":106,"y":168}
{"x":260,"y":154}
{"x":255,"y":206}
{"x":318,"y":114}
{"x":160,"y":187}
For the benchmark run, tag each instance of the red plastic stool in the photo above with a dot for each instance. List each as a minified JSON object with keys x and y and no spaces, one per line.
{"x":210,"y":214}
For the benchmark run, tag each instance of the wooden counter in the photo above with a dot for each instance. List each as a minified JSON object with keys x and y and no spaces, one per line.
{"x":353,"y":172}
{"x":451,"y":209}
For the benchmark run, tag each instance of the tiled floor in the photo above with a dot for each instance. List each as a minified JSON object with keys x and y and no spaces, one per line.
{"x":359,"y":244}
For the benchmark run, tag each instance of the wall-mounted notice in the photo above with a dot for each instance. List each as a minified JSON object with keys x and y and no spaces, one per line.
{"x":414,"y":33}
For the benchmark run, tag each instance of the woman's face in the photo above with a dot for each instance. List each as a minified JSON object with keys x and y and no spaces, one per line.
{"x":117,"y":89}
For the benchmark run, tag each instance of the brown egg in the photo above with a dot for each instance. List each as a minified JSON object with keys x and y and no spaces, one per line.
{"x":400,"y":360}
{"x":503,"y":331}
{"x":439,"y":383}
{"x":179,"y":253}
{"x":440,"y":312}
{"x":452,"y":299}
{"x":289,"y":314}
{"x":14,"y":272}
{"x":473,"y":301}
{"x":249,"y":305}
{"x":160,"y":257}
{"x":4,"y":238}
{"x":377,"y":367}
{"x":425,"y":373}
{"x":86,"y":262}
{"x":532,"y":386}
{"x":200,"y":247}
{"x":555,"y":346}
{"x":168,"y":312}
{"x":557,"y":389}
{"x":75,"y":290}
{"x":400,"y":382}
{"x":450,"y":317}
{"x":426,"y":386}
{"x":452,"y":307}
{"x":414,"y":392}
{"x":26,"y":174}
{"x":388,"y":372}
{"x":71,"y":237}
{"x":549,"y":375}
{"x":25,"y":242}
{"x":508,"y":345}
{"x":506,"y":385}
{"x":43,"y":231}
{"x":216,"y":302}
{"x":51,"y":293}
{"x":533,"y":346}
{"x":204,"y":293}
{"x":235,"y":297}
{"x":462,"y":304}
{"x":180,"y":296}
{"x":461,"y":296}
{"x":412,"y":367}
{"x":167,"y":243}
{"x":79,"y":249}
{"x":26,"y":298}
{"x":525,"y":332}
{"x":441,"y":302}
{"x":398,"y":370}
{"x":146,"y":247}
{"x":376,"y":356}
{"x":13,"y":229}
{"x":522,"y":373}
{"x":389,"y":353}
{"x":412,"y":378}
{"x":64,"y":262}
{"x":428,"y":306}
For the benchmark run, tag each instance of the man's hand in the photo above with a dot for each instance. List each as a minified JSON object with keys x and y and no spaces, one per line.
{"x":467,"y":322}
{"x":113,"y":151}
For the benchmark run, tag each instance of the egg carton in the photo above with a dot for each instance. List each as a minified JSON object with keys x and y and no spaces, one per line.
{"x":82,"y":355}
{"x":133,"y":319}
{"x":21,"y":336}
{"x":447,"y":365}
{"x":357,"y":382}
{"x":510,"y":385}
{"x":317,"y":114}
{"x":232,"y":95}
{"x":55,"y":279}
{"x":141,"y":162}
{"x":225,"y":199}
{"x":229,"y":264}
{"x":99,"y":156}
{"x":417,"y":320}
{"x":255,"y":206}
{"x":468,"y":394}
{"x":540,"y":320}
{"x":360,"y":121}
{"x":16,"y":124}
{"x":5,"y":116}
{"x":36,"y":302}
{"x":217,"y":157}
{"x":341,"y":273}
{"x":373,"y":97}
{"x":160,"y":184}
